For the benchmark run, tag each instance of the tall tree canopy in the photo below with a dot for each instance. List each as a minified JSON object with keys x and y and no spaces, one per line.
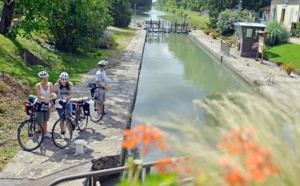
{"x":121,"y":12}
{"x":69,"y":24}
{"x":214,"y":6}
{"x":141,"y":4}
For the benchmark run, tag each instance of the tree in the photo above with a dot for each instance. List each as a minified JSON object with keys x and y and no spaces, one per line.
{"x":121,"y":12}
{"x":69,"y":24}
{"x":141,"y":4}
{"x":228,"y":17}
{"x":7,"y":16}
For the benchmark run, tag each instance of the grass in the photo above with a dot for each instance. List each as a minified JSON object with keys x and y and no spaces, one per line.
{"x":11,"y":112}
{"x":74,"y":63}
{"x":285,"y":53}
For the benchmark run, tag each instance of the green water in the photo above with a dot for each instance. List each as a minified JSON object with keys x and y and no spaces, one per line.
{"x":174,"y":72}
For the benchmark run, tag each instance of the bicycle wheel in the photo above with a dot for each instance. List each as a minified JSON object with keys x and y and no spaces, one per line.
{"x":62,"y":133}
{"x":81,"y":119}
{"x":95,"y":115}
{"x":28,"y":135}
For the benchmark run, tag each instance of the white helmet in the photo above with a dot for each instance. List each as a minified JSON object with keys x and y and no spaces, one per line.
{"x":102,"y":63}
{"x":43,"y":74}
{"x":64,"y":77}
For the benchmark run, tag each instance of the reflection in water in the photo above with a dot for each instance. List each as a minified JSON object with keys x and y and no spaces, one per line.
{"x":175,"y":72}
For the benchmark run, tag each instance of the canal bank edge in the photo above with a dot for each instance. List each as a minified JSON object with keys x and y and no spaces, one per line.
{"x":282,"y":87}
{"x":49,"y":163}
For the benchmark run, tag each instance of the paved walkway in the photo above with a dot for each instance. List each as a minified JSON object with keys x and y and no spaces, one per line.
{"x":48,"y":163}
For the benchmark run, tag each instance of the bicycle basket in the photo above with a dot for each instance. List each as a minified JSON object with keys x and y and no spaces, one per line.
{"x":86,"y":108}
{"x":60,"y":103}
{"x":41,"y":106}
{"x":28,"y":107}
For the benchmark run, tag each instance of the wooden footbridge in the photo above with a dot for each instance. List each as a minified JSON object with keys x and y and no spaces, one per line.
{"x":166,"y":27}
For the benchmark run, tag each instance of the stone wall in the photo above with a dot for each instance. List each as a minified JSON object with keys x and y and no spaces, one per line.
{"x":32,"y":59}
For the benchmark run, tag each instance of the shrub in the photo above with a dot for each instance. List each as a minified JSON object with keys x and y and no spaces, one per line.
{"x":228,"y":17}
{"x":277,"y":34}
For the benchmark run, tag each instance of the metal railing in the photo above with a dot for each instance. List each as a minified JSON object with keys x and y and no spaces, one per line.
{"x":225,"y":47}
{"x":91,"y":175}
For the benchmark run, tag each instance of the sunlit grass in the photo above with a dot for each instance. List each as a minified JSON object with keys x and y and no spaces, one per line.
{"x":74,"y":63}
{"x":285,"y":53}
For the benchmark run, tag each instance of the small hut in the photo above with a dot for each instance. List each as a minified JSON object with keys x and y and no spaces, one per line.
{"x":246,"y":35}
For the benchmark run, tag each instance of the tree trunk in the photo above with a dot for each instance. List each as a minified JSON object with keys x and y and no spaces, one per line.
{"x":7,"y":15}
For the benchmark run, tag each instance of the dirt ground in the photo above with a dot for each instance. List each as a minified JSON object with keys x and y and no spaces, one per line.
{"x":12,"y":97}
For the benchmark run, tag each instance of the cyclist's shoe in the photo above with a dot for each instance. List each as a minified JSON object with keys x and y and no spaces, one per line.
{"x":105,"y":112}
{"x":99,"y":116}
{"x":40,"y":139}
{"x":48,"y":135}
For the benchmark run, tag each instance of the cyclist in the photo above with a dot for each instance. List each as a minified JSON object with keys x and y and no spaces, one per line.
{"x":64,"y":90}
{"x":100,"y":79}
{"x":45,"y":94}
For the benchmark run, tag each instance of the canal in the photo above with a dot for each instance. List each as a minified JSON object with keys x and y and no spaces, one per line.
{"x":174,"y":72}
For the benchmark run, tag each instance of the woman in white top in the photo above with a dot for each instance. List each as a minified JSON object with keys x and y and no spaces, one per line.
{"x":45,"y":94}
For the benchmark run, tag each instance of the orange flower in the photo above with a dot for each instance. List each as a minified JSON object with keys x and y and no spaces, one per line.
{"x":255,"y":159}
{"x":144,"y":137}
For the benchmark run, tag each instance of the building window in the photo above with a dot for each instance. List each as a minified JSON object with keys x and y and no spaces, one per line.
{"x":282,"y":15}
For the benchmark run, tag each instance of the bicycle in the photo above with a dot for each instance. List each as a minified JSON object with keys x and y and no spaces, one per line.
{"x":95,"y":115}
{"x":30,"y":129}
{"x":62,"y":131}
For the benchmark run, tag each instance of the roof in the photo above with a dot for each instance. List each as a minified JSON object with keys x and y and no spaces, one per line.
{"x":250,"y":24}
{"x":265,"y":8}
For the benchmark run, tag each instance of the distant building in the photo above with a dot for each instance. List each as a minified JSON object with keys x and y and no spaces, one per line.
{"x":285,"y":11}
{"x":265,"y":14}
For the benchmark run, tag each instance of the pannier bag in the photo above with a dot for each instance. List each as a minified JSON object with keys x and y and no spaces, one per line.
{"x":74,"y":108}
{"x":86,"y":108}
{"x":92,"y":85}
{"x":28,"y":108}
{"x":41,"y":106}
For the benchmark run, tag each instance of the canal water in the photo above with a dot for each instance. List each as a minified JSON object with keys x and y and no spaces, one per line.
{"x":174,"y":72}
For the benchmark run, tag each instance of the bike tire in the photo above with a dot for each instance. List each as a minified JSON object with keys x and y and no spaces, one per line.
{"x":62,"y":135}
{"x":28,"y":135}
{"x":94,"y":114}
{"x":81,"y":120}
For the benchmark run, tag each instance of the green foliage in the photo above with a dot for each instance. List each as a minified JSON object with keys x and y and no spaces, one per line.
{"x":277,"y":34}
{"x":1,"y":8}
{"x":68,"y":24}
{"x":2,"y":108}
{"x":296,"y":30}
{"x":141,"y":4}
{"x":228,"y":17}
{"x":2,"y":87}
{"x":121,"y":13}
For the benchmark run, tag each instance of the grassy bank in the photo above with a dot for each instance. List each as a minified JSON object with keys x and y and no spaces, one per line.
{"x":11,"y":63}
{"x":285,"y":53}
{"x":74,"y":63}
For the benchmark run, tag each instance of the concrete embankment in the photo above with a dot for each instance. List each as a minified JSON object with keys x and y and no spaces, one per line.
{"x":281,"y":87}
{"x":49,"y":163}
